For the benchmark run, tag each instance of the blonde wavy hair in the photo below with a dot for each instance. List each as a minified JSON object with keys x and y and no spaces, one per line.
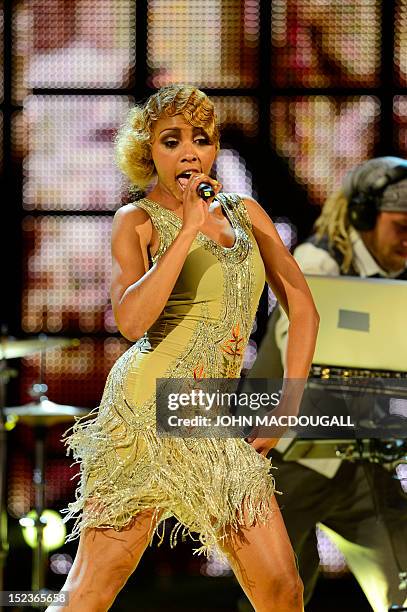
{"x":134,"y":138}
{"x":333,"y":222}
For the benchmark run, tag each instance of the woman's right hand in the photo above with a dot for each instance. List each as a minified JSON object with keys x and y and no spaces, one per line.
{"x":195,"y":209}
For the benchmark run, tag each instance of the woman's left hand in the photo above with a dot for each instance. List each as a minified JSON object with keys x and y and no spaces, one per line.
{"x":265,"y":437}
{"x":261,"y":444}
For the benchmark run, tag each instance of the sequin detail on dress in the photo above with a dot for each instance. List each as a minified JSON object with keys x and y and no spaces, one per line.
{"x":125,"y":467}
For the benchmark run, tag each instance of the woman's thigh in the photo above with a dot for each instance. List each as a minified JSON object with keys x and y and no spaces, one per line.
{"x":104,"y":561}
{"x":261,"y":556}
{"x":107,"y":550}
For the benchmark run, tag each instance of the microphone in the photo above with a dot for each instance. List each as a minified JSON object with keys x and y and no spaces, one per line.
{"x":205,"y":191}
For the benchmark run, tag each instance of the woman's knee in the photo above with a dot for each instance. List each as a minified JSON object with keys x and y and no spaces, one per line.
{"x":282,"y":594}
{"x":295,"y":594}
{"x":288,"y":594}
{"x":118,"y":574}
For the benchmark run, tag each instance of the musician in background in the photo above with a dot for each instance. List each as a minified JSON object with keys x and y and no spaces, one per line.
{"x":362,"y":231}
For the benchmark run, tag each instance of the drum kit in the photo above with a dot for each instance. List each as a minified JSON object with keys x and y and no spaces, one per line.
{"x":40,"y":414}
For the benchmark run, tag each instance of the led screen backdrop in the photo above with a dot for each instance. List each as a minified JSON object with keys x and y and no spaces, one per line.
{"x":76,"y":44}
{"x":208,"y":44}
{"x":1,"y":55}
{"x":69,"y":163}
{"x":400,"y":123}
{"x":319,"y":43}
{"x":67,"y":274}
{"x":400,"y":32}
{"x":321,"y":137}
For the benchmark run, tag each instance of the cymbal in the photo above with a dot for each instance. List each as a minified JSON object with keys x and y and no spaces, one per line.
{"x":10,"y":348}
{"x":44,"y":412}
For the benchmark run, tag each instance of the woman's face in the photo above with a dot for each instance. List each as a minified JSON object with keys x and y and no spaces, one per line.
{"x":179,"y":147}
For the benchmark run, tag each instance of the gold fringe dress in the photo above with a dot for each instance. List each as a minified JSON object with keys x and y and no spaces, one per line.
{"x":125,"y":467}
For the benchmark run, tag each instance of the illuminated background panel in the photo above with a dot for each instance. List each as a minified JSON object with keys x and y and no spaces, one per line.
{"x":237,"y":112}
{"x":18,"y":139}
{"x":400,"y":124}
{"x":67,"y":274}
{"x":400,"y":41}
{"x":322,"y":137}
{"x":1,"y":54}
{"x":208,"y":44}
{"x":86,"y":43}
{"x":238,"y":119}
{"x":19,"y":487}
{"x":69,"y":164}
{"x":319,"y":43}
{"x":232,"y":172}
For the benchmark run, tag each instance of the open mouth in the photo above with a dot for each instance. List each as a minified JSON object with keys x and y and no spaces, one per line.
{"x":183,"y":178}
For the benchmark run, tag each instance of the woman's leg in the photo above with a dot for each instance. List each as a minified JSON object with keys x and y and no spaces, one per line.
{"x":104,"y":561}
{"x":263,"y":562}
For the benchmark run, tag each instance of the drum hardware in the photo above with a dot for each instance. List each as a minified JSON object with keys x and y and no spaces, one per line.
{"x":43,"y":413}
{"x":388,"y":452}
{"x":11,"y":348}
{"x":5,"y":375}
{"x":39,"y":414}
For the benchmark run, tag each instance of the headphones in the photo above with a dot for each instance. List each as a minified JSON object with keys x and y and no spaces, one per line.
{"x":363,"y":207}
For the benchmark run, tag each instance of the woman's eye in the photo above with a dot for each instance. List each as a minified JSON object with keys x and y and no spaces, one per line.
{"x":170,"y":144}
{"x":202,"y":141}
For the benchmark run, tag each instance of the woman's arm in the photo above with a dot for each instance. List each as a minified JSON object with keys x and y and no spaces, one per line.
{"x":289,"y":286}
{"x":138,"y":294}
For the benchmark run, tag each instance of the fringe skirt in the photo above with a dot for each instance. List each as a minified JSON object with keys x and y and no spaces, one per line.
{"x":210,"y":485}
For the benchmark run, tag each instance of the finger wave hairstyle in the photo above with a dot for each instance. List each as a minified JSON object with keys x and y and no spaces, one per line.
{"x":134,"y":138}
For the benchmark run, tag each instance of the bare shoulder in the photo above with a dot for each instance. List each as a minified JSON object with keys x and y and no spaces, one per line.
{"x":130,"y":218}
{"x":131,"y":213}
{"x":258,"y":216}
{"x":253,"y":207}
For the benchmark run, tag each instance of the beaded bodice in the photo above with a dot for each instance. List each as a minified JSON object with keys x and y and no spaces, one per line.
{"x":215,"y":298}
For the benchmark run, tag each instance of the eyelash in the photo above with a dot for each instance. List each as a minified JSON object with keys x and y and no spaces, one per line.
{"x":171,"y":144}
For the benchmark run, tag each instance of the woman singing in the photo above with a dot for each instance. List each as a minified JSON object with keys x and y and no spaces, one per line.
{"x":191,"y":272}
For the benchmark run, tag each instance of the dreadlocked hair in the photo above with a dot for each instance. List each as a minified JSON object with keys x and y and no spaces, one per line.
{"x":333,"y":222}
